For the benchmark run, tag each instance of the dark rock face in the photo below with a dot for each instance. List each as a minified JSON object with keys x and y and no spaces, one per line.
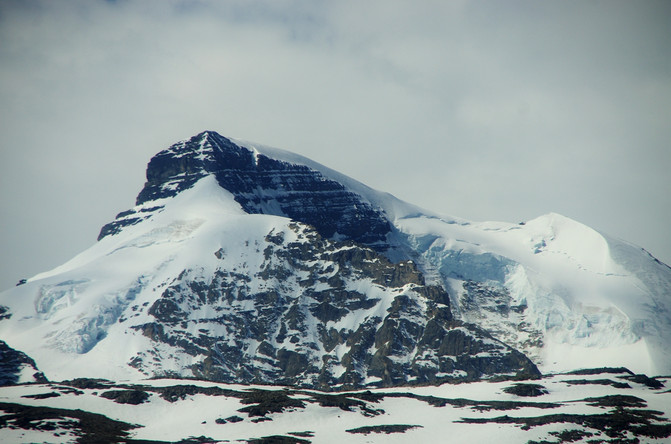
{"x":527,"y":390}
{"x":4,"y":313}
{"x":126,"y":219}
{"x":261,"y":185}
{"x":321,"y":314}
{"x":126,"y":396}
{"x":13,"y":363}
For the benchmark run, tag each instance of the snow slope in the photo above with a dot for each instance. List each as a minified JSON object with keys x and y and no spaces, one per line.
{"x":90,"y":293}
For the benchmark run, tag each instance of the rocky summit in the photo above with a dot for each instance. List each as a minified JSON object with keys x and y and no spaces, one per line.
{"x":261,"y":185}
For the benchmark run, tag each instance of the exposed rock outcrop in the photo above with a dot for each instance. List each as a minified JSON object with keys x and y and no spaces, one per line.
{"x":320,"y":314}
{"x":261,"y":185}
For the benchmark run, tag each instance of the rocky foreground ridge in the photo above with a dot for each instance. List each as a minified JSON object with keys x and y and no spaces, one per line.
{"x":600,"y":406}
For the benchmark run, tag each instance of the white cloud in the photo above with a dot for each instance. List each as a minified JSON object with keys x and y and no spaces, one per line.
{"x":485,"y":110}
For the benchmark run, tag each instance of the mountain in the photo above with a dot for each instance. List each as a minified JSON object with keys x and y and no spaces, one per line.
{"x":246,"y":264}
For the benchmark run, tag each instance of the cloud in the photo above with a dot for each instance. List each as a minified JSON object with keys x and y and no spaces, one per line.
{"x":484,"y":110}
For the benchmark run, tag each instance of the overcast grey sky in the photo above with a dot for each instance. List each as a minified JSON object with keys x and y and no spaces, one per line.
{"x":487,"y":110}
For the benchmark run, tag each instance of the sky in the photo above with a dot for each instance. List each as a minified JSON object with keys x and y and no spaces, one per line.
{"x":485,"y":110}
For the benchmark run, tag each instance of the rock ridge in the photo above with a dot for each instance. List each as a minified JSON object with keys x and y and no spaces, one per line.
{"x":261,"y":185}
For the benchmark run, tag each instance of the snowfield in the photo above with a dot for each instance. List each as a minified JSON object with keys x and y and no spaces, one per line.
{"x":604,"y":406}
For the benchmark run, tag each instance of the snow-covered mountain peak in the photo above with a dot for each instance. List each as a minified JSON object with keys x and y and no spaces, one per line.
{"x":353,"y":282}
{"x":245,"y":264}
